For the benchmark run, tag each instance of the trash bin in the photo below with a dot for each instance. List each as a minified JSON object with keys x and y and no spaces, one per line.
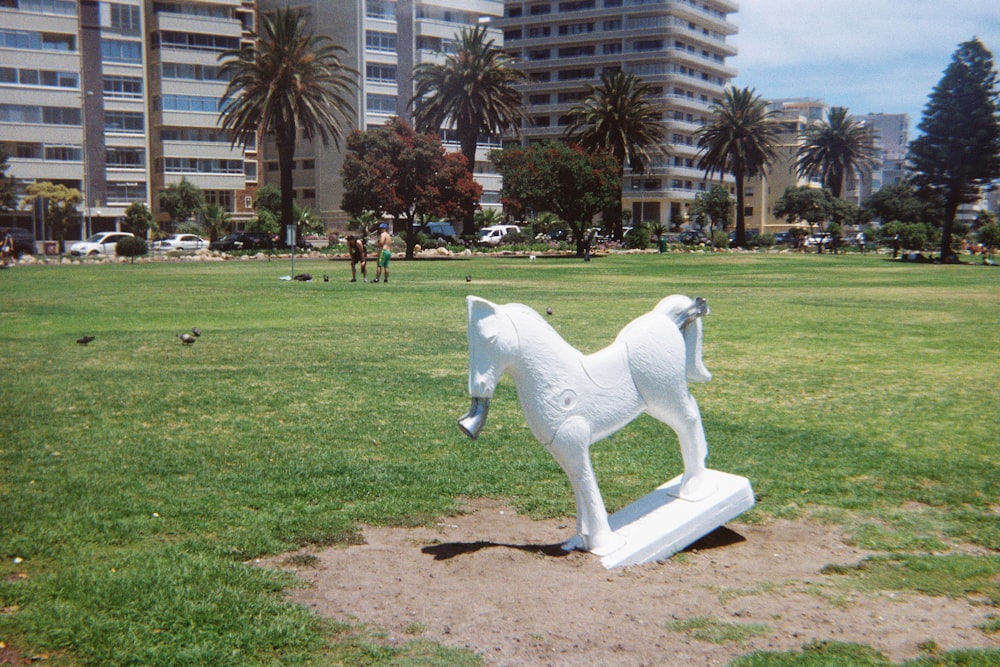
{"x":50,"y":247}
{"x":663,"y":245}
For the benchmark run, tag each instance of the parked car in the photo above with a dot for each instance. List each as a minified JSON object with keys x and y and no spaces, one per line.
{"x":180,"y":242}
{"x":693,"y":237}
{"x":244,"y":241}
{"x":443,"y":231}
{"x":784,"y":237}
{"x":100,"y":244}
{"x":24,"y":241}
{"x":819,"y":239}
{"x":494,"y":234}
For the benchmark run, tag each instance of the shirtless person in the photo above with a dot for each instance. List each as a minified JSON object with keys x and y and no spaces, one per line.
{"x":384,"y":252}
{"x":358,"y":256}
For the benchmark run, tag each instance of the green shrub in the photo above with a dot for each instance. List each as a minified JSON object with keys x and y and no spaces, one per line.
{"x":132,"y":247}
{"x":637,"y":237}
{"x":720,"y":239}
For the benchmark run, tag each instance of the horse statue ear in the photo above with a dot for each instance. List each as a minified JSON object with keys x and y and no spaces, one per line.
{"x":479,"y":308}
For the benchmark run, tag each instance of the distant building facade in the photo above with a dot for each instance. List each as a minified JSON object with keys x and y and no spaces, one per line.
{"x":384,"y":40}
{"x":120,"y":100}
{"x":679,"y":48}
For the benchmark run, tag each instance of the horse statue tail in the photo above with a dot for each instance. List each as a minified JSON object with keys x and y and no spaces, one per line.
{"x":687,"y":314}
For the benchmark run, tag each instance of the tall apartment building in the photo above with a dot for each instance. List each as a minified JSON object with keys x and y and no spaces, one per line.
{"x":892,"y":144}
{"x":793,"y":116}
{"x":384,"y":40}
{"x":679,"y":47}
{"x":120,"y":100}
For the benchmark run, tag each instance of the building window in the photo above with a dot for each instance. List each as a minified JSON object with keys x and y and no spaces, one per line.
{"x":380,"y":73}
{"x":127,"y":87}
{"x":384,"y":42}
{"x":223,"y":198}
{"x":118,"y":193}
{"x":539,"y":31}
{"x":195,"y":41}
{"x":125,"y":18}
{"x":381,"y":103}
{"x":126,"y":158}
{"x":539,"y":98}
{"x":309,"y":193}
{"x":189,"y":72}
{"x":380,"y":9}
{"x":126,"y":122}
{"x":36,"y":41}
{"x":190,"y":165}
{"x":576,"y":28}
{"x":119,"y":51}
{"x":197,"y":103}
{"x":61,"y":7}
{"x":250,"y":173}
{"x":64,"y":153}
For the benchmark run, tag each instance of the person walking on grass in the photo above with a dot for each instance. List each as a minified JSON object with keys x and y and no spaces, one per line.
{"x":358,"y":256}
{"x":384,"y":253}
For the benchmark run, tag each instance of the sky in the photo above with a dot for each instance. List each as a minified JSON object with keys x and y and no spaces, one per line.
{"x":870,"y":56}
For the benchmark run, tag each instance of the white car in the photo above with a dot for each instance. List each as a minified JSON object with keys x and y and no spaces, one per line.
{"x":494,"y":234}
{"x":180,"y":242}
{"x":100,"y":244}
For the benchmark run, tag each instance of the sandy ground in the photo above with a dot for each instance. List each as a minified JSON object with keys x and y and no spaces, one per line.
{"x":498,"y":583}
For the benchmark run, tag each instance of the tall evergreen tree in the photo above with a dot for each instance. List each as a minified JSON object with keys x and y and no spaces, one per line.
{"x":836,"y":147}
{"x":740,"y":140}
{"x":958,"y":150}
{"x":290,"y":82}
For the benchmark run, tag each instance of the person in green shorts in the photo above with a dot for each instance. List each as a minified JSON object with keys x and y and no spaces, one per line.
{"x":384,"y":253}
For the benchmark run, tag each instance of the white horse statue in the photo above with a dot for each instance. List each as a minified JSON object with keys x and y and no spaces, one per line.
{"x":571,"y":400}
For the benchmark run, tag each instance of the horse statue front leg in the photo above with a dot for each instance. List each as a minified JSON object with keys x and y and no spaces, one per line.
{"x":571,"y":449}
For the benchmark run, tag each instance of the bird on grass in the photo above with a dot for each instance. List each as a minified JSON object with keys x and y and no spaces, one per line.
{"x":326,"y":278}
{"x":186,"y":338}
{"x":83,"y":340}
{"x":468,"y":278}
{"x":548,"y":311}
{"x":196,"y":331}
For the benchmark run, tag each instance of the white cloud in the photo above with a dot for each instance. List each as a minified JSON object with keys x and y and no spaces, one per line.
{"x":868,"y":55}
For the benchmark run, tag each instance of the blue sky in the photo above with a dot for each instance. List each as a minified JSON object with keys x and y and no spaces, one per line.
{"x":867,"y":55}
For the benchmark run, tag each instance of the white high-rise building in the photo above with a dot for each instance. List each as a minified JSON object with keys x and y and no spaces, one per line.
{"x":679,"y":47}
{"x":120,"y":100}
{"x":384,"y":40}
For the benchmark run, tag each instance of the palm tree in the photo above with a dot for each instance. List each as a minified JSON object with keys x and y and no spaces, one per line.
{"x":617,"y":117}
{"x":834,"y":148}
{"x":472,"y":90}
{"x":740,"y":140}
{"x":291,"y":82}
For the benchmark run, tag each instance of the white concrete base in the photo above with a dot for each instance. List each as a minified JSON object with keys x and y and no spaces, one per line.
{"x":660,"y":524}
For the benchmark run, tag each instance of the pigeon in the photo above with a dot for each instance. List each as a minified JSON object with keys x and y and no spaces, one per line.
{"x":468,"y":278}
{"x":83,"y":340}
{"x":303,"y":277}
{"x":196,"y":331}
{"x":548,"y":311}
{"x":187,"y":339}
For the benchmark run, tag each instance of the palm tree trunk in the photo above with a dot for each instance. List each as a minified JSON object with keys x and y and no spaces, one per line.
{"x":286,"y":162}
{"x":468,"y":142}
{"x":741,"y":225}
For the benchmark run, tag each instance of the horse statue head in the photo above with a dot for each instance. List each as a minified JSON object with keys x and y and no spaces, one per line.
{"x":492,"y":343}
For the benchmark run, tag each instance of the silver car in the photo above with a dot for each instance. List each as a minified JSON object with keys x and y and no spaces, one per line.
{"x":181,"y":243}
{"x":100,"y":244}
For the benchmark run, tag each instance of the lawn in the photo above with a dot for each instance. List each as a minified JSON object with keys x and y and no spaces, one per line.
{"x":138,"y":475}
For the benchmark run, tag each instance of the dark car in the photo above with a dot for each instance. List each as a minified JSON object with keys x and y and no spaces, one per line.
{"x":244,"y":241}
{"x":443,"y":231}
{"x":784,"y":238}
{"x":24,"y":241}
{"x":693,"y":238}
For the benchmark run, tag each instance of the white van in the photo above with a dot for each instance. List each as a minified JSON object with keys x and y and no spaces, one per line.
{"x":493,"y":235}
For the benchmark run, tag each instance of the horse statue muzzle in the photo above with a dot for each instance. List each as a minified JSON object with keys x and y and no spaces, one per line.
{"x":472,"y":421}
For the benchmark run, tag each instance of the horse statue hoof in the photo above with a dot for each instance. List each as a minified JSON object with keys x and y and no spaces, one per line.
{"x":696,"y":488}
{"x":605,"y":545}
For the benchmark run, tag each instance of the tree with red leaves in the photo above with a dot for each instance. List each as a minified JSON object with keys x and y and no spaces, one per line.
{"x":392,"y":170}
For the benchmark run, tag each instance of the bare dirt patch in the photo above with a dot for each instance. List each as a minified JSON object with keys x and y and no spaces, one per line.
{"x":498,"y":583}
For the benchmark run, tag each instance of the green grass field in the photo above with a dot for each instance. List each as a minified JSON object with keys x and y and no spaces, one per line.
{"x":137,"y":474}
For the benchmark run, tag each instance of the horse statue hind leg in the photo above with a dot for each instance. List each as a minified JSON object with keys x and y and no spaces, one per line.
{"x":664,"y":355}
